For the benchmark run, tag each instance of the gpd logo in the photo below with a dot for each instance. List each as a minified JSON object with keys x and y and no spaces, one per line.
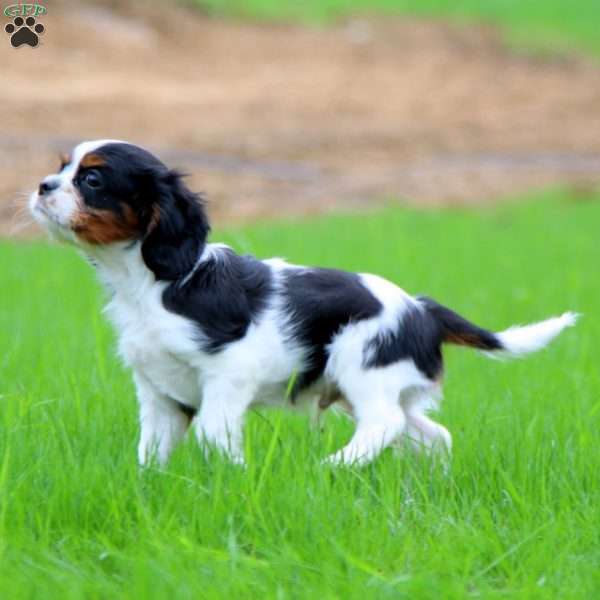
{"x":24,"y":29}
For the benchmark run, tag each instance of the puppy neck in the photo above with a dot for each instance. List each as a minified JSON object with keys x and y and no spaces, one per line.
{"x":120,"y":266}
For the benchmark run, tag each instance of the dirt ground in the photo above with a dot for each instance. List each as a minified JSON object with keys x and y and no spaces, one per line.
{"x":284,"y":120}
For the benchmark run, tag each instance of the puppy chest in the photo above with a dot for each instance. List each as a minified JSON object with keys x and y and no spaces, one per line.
{"x":169,"y":373}
{"x":160,"y":346}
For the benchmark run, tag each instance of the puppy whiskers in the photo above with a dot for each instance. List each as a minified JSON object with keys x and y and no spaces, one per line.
{"x":21,"y":217}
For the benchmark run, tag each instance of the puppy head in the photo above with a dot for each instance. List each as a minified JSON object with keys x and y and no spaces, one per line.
{"x":109,"y":191}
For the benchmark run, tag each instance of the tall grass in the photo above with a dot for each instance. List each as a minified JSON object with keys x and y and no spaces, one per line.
{"x":516,"y":516}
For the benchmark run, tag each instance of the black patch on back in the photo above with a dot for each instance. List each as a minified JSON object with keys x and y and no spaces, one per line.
{"x":420,"y":334}
{"x":418,"y":337}
{"x":224,"y":295}
{"x":319,"y":303}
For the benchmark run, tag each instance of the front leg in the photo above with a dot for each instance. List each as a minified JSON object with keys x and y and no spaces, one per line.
{"x":163,"y":423}
{"x":221,"y":418}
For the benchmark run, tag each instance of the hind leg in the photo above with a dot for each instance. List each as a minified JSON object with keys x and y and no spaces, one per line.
{"x":427,"y":435}
{"x":380,"y":419}
{"x":423,"y":433}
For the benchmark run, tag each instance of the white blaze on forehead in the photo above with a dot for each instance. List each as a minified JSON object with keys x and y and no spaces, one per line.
{"x":85,"y":148}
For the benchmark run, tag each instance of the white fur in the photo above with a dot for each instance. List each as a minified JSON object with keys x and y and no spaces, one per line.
{"x":520,"y":340}
{"x":169,"y":366}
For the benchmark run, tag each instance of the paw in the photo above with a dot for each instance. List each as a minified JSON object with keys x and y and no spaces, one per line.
{"x":150,"y":457}
{"x":344,"y":459}
{"x":234,"y":456}
{"x":24,"y":32}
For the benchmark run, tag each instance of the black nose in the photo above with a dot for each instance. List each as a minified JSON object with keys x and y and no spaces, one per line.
{"x":47,"y":186}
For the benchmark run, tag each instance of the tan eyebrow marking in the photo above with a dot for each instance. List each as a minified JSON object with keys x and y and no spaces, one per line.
{"x":65,"y":159}
{"x":92,"y":160}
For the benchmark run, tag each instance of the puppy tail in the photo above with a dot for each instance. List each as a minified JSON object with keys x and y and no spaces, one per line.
{"x":513,"y":342}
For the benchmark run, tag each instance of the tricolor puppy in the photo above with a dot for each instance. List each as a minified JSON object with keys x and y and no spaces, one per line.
{"x":209,"y":333}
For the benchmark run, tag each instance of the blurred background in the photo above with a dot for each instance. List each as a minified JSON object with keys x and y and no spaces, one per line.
{"x":280,"y":108}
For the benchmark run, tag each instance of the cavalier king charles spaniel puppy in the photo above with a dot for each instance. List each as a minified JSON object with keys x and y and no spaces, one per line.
{"x":209,"y":333}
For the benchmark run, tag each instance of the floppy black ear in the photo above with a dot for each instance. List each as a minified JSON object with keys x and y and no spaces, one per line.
{"x":177,"y":229}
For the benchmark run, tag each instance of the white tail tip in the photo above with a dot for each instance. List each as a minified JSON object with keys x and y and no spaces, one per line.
{"x":517,"y":341}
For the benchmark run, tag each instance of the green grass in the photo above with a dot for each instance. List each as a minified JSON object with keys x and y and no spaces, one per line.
{"x":543,"y":24}
{"x":516,"y":516}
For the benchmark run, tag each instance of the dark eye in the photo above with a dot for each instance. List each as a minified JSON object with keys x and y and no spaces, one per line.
{"x":93,"y":179}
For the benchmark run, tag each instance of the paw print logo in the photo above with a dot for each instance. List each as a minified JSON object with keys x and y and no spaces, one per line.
{"x":24,"y":32}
